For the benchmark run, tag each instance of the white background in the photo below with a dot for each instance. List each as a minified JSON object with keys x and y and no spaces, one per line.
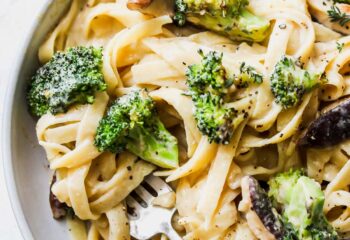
{"x":15,"y":18}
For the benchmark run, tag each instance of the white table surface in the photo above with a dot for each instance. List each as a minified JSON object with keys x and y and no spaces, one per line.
{"x":15,"y":17}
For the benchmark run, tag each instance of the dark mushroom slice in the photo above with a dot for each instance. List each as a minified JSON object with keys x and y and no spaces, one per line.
{"x":153,"y":7}
{"x":259,"y":206}
{"x":330,"y":128}
{"x":59,"y":209}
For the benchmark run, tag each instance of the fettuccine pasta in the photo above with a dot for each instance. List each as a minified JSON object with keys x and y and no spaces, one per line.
{"x":146,"y":51}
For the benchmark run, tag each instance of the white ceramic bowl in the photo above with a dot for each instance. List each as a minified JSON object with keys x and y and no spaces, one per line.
{"x":25,"y":165}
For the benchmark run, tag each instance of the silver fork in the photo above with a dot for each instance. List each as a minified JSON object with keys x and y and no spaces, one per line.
{"x":147,"y":220}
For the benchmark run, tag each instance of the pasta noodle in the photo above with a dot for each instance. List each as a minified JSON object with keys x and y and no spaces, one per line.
{"x":142,"y":51}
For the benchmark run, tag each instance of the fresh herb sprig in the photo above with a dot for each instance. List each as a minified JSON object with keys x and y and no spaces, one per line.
{"x":342,"y":1}
{"x":336,"y":15}
{"x":340,"y":46}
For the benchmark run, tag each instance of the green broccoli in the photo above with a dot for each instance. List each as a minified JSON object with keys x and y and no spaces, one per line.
{"x":300,"y":200}
{"x":132,"y":123}
{"x":248,"y":75}
{"x":68,"y":78}
{"x":226,"y":17}
{"x":214,"y":119}
{"x":208,"y":85}
{"x":289,"y":82}
{"x":210,"y":76}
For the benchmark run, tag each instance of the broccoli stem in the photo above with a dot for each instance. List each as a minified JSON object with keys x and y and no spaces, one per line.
{"x":232,"y":20}
{"x":159,"y":149}
{"x":132,"y":123}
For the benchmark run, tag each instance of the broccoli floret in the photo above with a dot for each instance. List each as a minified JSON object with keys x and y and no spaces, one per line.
{"x":280,"y":185}
{"x":289,"y":82}
{"x":289,"y":232}
{"x":68,"y":78}
{"x":300,"y":201}
{"x":210,"y":76}
{"x":208,"y":85}
{"x":293,"y":208}
{"x":226,"y":17}
{"x":132,"y":123}
{"x":247,"y":76}
{"x":223,"y":8}
{"x":213,"y":119}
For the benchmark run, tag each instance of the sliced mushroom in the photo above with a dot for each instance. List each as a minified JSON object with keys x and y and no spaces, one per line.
{"x":261,"y":216}
{"x":330,"y":128}
{"x":153,"y":7}
{"x":59,"y":209}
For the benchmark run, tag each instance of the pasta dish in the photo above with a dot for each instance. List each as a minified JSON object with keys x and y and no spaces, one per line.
{"x":239,"y":105}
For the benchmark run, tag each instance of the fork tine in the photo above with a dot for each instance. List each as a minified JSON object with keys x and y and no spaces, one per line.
{"x":144,"y":194}
{"x":158,"y":184}
{"x":147,"y":220}
{"x":132,"y":205}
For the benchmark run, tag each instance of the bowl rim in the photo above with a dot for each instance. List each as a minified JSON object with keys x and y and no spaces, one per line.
{"x":6,"y":126}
